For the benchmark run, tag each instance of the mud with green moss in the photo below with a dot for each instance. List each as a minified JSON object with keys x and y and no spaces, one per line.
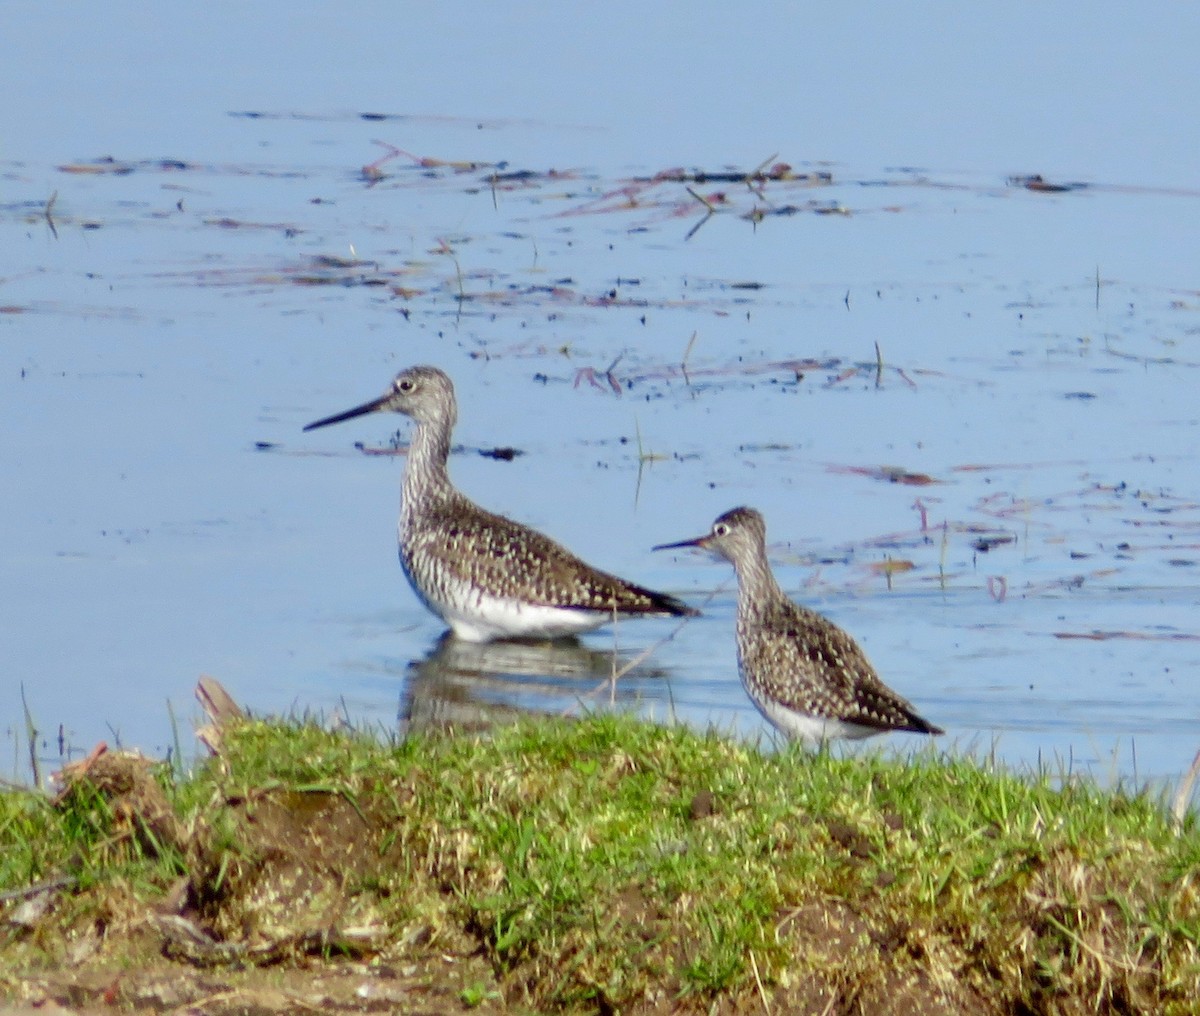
{"x":606,"y":865}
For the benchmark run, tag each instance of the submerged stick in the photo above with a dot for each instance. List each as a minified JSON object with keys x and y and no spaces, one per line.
{"x":686,"y":353}
{"x":48,"y":212}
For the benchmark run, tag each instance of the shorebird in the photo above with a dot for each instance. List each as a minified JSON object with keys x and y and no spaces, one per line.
{"x":486,"y":576}
{"x":805,"y":675}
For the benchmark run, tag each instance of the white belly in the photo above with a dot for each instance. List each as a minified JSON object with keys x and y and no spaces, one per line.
{"x":810,"y":730}
{"x":489,"y":618}
{"x":813,"y":730}
{"x":477,"y":616}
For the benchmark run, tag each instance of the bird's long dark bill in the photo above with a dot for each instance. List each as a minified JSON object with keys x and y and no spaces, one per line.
{"x":367,"y":407}
{"x":699,"y":541}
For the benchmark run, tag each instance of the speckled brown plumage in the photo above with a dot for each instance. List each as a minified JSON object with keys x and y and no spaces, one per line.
{"x":485,"y":575}
{"x":804,"y":673}
{"x":457,"y":543}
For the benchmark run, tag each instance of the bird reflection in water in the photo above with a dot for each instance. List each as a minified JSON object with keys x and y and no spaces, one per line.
{"x":471,"y":686}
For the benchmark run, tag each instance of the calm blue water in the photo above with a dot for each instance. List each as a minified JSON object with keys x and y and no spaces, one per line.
{"x":1039,"y":349}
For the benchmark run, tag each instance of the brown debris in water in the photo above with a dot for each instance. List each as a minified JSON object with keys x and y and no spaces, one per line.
{"x":1036,"y":182}
{"x":888,"y":474}
{"x":1140,"y":636}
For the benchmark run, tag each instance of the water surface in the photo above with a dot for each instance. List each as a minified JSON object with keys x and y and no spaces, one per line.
{"x":902,"y":350}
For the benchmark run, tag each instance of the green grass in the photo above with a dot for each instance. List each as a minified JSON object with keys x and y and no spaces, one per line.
{"x":609,"y":861}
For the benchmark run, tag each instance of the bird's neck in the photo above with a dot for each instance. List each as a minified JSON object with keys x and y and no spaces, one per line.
{"x":757,"y":587}
{"x":426,"y":477}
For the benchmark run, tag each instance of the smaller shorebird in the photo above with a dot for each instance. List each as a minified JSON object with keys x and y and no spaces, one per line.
{"x":805,"y":675}
{"x":486,"y":576}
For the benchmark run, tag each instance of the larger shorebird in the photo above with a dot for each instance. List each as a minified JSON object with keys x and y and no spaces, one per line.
{"x":486,"y":576}
{"x":805,"y":675}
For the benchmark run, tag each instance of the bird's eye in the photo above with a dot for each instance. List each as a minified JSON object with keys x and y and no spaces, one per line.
{"x":405,"y":385}
{"x":720,"y":529}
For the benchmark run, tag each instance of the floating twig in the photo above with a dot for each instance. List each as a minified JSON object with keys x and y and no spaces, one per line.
{"x":708,"y":215}
{"x":590,"y":375}
{"x":48,"y":212}
{"x":920,"y":506}
{"x":686,"y":353}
